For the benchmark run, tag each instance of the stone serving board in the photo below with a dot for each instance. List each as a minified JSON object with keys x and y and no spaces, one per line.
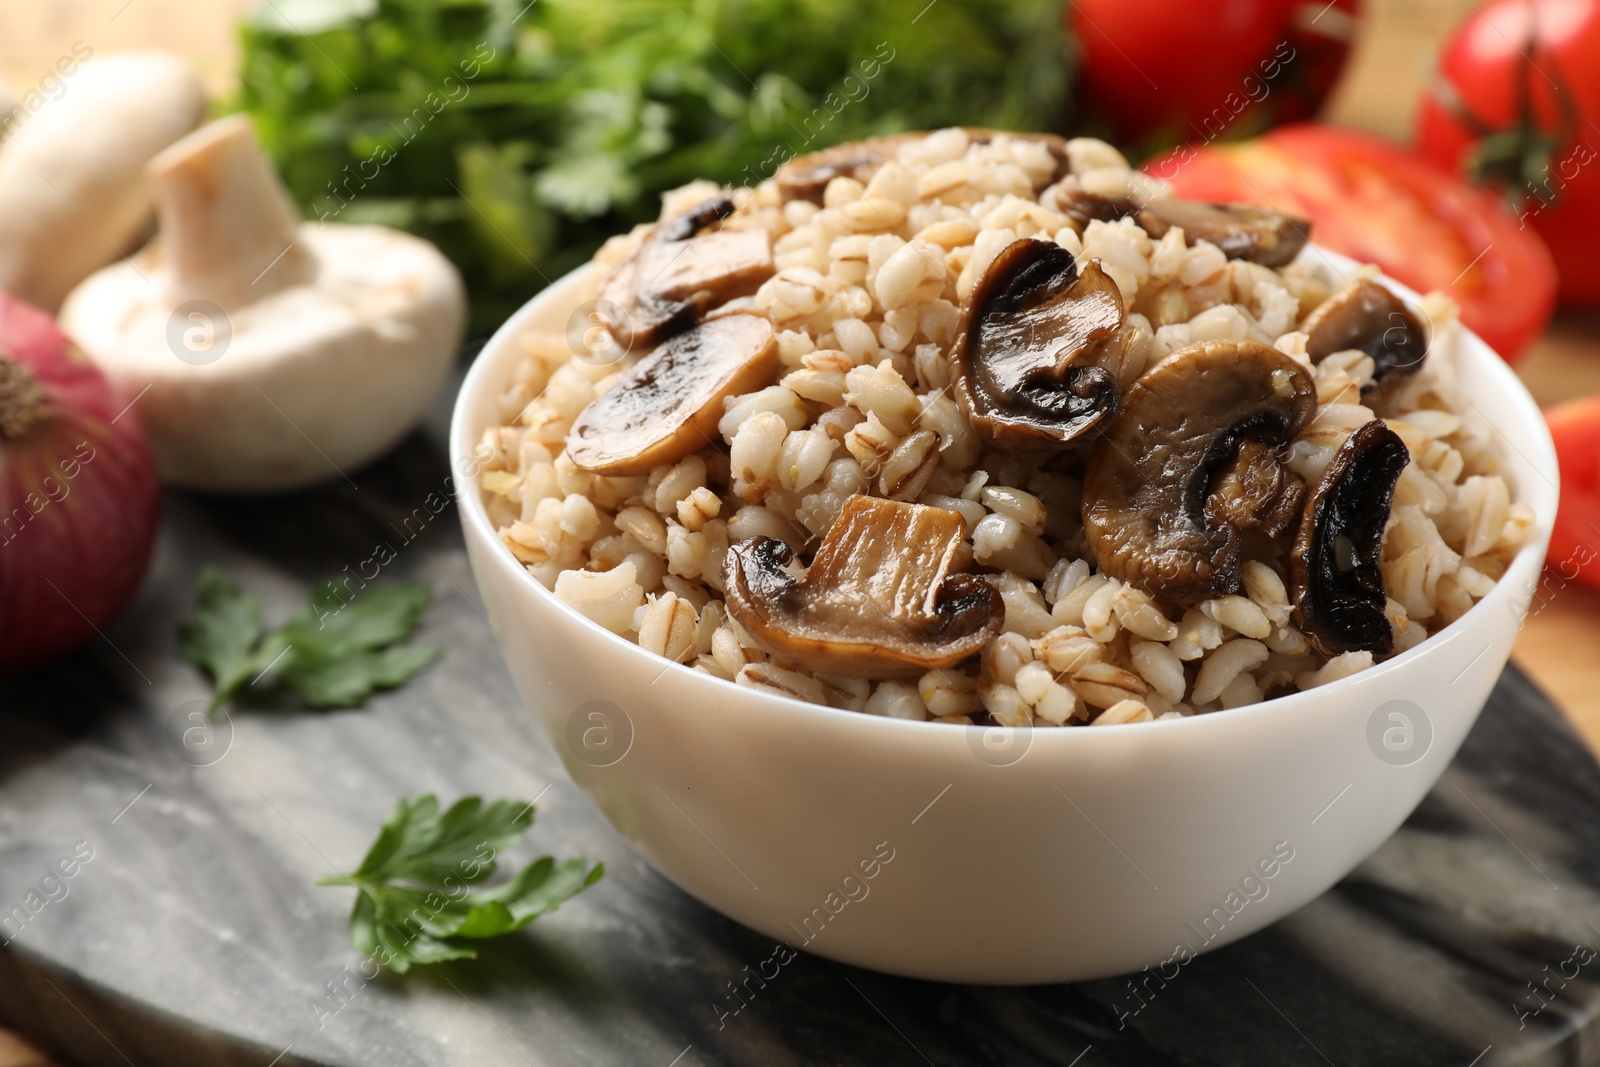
{"x":193,"y":933}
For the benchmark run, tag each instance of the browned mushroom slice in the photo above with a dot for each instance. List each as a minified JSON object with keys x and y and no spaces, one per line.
{"x":1368,"y":317}
{"x":685,"y":266}
{"x":1255,"y":491}
{"x":1191,"y":463}
{"x":669,"y":404}
{"x":1241,"y":231}
{"x":1019,"y":367}
{"x":1081,"y":207}
{"x":806,"y":177}
{"x":1334,"y":569}
{"x":882,"y":599}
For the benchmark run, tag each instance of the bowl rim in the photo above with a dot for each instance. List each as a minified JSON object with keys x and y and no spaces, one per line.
{"x":1521,"y":573}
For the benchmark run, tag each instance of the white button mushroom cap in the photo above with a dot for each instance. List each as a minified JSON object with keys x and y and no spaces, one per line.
{"x":268,"y":356}
{"x":72,"y":191}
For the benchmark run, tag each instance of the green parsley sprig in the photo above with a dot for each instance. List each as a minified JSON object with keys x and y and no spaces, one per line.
{"x":413,"y":904}
{"x":334,"y":652}
{"x":518,"y":136}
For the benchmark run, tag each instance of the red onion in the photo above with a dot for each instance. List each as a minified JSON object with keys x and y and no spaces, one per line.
{"x":79,"y":501}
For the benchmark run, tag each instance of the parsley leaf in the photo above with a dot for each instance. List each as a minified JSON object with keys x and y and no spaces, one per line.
{"x":413,"y":904}
{"x":335,"y":652}
{"x":222,"y":635}
{"x":341,"y":647}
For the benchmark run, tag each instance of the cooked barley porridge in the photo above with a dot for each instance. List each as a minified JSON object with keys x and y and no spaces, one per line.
{"x":975,"y":427}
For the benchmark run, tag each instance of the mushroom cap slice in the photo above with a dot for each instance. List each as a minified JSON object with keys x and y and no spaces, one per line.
{"x":1334,"y":569}
{"x":1019,"y":367}
{"x":1368,"y":317}
{"x":806,"y":177}
{"x":1185,"y":468}
{"x":685,"y":266}
{"x":668,"y":405}
{"x":1081,"y":207}
{"x":1255,"y":491}
{"x":1241,"y":231}
{"x":884,"y":597}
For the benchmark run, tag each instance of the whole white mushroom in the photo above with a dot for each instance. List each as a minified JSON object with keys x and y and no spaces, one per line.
{"x":270,"y":354}
{"x":72,"y":191}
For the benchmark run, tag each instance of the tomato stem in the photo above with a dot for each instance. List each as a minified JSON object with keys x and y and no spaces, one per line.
{"x":23,"y":401}
{"x":1518,"y":157}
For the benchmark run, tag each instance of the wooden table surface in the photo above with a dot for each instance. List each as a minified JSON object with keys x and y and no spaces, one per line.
{"x":1392,"y":64}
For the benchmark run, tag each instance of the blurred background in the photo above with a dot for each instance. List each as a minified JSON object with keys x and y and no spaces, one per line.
{"x":554,"y":124}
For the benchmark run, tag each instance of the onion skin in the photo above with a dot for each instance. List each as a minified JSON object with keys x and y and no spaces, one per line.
{"x":79,"y":499}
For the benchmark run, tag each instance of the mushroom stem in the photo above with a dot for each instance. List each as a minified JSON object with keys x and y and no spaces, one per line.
{"x":228,"y":226}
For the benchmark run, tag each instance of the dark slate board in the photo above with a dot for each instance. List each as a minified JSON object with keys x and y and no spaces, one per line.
{"x":194,"y":935}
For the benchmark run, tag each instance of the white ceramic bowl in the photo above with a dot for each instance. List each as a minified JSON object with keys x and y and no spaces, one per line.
{"x":973,"y":855}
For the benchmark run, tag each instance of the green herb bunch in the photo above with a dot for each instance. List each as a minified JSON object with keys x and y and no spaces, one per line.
{"x":519,"y":135}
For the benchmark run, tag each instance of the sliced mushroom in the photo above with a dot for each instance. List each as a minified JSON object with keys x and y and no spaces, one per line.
{"x":1191,"y":463}
{"x":1255,"y":491}
{"x":1019,"y":367}
{"x":668,"y":405}
{"x":1334,"y":569}
{"x":685,"y":266}
{"x":1241,"y":231}
{"x":1070,"y":198}
{"x":884,"y":597}
{"x":1368,"y":317}
{"x":806,"y":177}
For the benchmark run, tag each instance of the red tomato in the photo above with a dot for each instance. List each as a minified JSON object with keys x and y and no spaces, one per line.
{"x":1164,"y":71}
{"x":1371,"y":200}
{"x":1514,"y":106}
{"x":1575,"y":540}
